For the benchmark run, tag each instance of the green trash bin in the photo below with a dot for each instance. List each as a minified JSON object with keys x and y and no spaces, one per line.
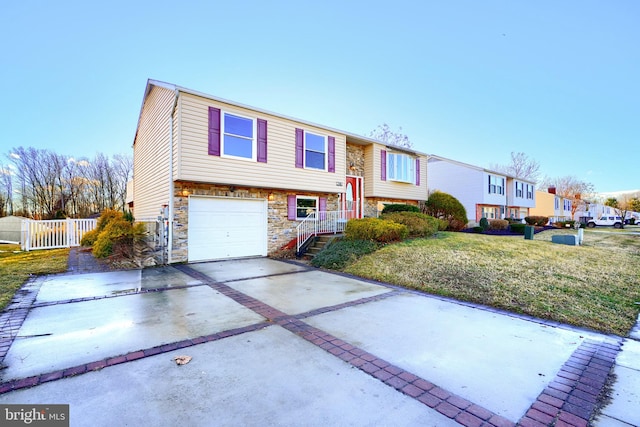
{"x":528,"y":232}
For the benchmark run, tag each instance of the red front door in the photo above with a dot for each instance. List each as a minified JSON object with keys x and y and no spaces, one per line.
{"x":353,"y":197}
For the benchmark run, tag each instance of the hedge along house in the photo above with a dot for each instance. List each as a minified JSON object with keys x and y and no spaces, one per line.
{"x":235,"y":181}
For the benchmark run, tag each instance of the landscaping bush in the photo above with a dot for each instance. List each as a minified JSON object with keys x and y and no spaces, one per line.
{"x":113,"y":230}
{"x":442,"y":224}
{"x":89,"y":237}
{"x":484,"y":223}
{"x":517,"y":228}
{"x":342,"y":252}
{"x":477,"y":229}
{"x":536,"y":220}
{"x":399,"y":208}
{"x":445,"y":206}
{"x":375,"y":229}
{"x":419,"y":224}
{"x":498,"y":224}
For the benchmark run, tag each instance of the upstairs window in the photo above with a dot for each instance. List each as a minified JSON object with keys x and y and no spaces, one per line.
{"x":315,"y":151}
{"x":496,"y":185}
{"x":530,"y":192}
{"x":238,"y":136}
{"x":519,"y":192}
{"x":401,"y":167}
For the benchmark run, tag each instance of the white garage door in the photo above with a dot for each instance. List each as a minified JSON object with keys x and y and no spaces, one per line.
{"x":222,"y":228}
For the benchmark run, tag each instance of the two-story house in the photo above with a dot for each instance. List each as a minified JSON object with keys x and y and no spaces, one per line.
{"x":232,"y":180}
{"x":552,"y":205}
{"x":482,"y":192}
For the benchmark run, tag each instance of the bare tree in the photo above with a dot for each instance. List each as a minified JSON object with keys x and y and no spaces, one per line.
{"x":122,"y":167}
{"x":6,"y":190}
{"x":521,"y":166}
{"x":622,"y":207}
{"x":383,"y":133}
{"x":571,"y":188}
{"x":39,"y":172}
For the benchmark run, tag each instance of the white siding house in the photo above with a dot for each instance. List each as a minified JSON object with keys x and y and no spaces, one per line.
{"x":482,"y":192}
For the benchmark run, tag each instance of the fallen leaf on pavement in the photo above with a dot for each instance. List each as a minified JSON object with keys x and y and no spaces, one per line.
{"x":182,"y":360}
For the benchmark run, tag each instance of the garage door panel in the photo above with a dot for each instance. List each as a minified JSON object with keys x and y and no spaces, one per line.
{"x":226,"y":228}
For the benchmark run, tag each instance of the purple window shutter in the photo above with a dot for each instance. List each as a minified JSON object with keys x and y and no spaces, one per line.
{"x":383,"y":165}
{"x":417,"y":171}
{"x":332,"y":154}
{"x":214,"y":131}
{"x":262,"y":141}
{"x":291,"y":207}
{"x":322,"y":207}
{"x":299,"y":148}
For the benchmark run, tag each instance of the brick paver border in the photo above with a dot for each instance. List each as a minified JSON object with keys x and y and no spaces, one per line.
{"x":569,"y":400}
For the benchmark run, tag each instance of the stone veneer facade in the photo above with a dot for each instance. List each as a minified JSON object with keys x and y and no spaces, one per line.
{"x":280,"y":230}
{"x":355,"y":160}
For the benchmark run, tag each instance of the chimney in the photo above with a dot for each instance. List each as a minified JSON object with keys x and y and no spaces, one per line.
{"x":552,"y":189}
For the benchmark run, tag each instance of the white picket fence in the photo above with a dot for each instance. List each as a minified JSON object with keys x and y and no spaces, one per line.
{"x":55,"y":233}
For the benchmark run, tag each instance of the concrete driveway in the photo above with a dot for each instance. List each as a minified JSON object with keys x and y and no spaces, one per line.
{"x":278,"y":343}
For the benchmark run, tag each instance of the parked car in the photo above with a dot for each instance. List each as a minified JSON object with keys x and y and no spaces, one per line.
{"x":606,"y":220}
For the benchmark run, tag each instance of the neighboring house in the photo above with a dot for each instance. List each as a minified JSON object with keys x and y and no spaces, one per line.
{"x":482,"y":192}
{"x":594,"y":210}
{"x":10,"y":228}
{"x":231,"y":180}
{"x":552,"y":205}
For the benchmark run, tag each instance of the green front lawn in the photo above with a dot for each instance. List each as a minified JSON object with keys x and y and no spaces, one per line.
{"x":16,"y":267}
{"x":596,"y":285}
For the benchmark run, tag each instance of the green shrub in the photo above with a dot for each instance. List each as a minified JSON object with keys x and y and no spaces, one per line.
{"x":536,"y":220}
{"x":419,"y":224}
{"x":442,"y":224}
{"x":498,"y":224}
{"x":517,"y":228}
{"x":375,"y":229}
{"x":400,"y":208}
{"x":89,"y":237}
{"x":478,"y":229}
{"x":114,"y":229}
{"x":484,"y":223}
{"x":445,"y":206}
{"x":342,"y":252}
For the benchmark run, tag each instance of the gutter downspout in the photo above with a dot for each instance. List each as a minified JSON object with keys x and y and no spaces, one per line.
{"x":171,"y":188}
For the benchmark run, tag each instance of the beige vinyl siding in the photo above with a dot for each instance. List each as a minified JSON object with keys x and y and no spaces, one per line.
{"x":151,"y":154}
{"x":195,"y":164}
{"x":375,"y":187}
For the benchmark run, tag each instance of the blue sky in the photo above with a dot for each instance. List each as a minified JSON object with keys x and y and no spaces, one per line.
{"x":468,"y":80}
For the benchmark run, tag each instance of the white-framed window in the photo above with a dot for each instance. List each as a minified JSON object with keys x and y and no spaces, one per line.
{"x":315,"y":151}
{"x":238,"y":136}
{"x":401,"y":167}
{"x":557,"y":203}
{"x":530,"y":192}
{"x":490,"y":212}
{"x":496,"y":185}
{"x":567,"y":204}
{"x":519,"y":191}
{"x":305,"y":205}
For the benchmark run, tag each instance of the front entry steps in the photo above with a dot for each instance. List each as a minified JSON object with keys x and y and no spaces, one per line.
{"x":320,"y":241}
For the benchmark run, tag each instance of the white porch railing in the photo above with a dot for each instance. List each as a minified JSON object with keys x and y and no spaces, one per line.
{"x":56,"y":233}
{"x":322,"y":223}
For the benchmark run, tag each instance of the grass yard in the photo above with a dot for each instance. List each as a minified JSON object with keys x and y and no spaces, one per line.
{"x":596,"y":285}
{"x":16,"y":267}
